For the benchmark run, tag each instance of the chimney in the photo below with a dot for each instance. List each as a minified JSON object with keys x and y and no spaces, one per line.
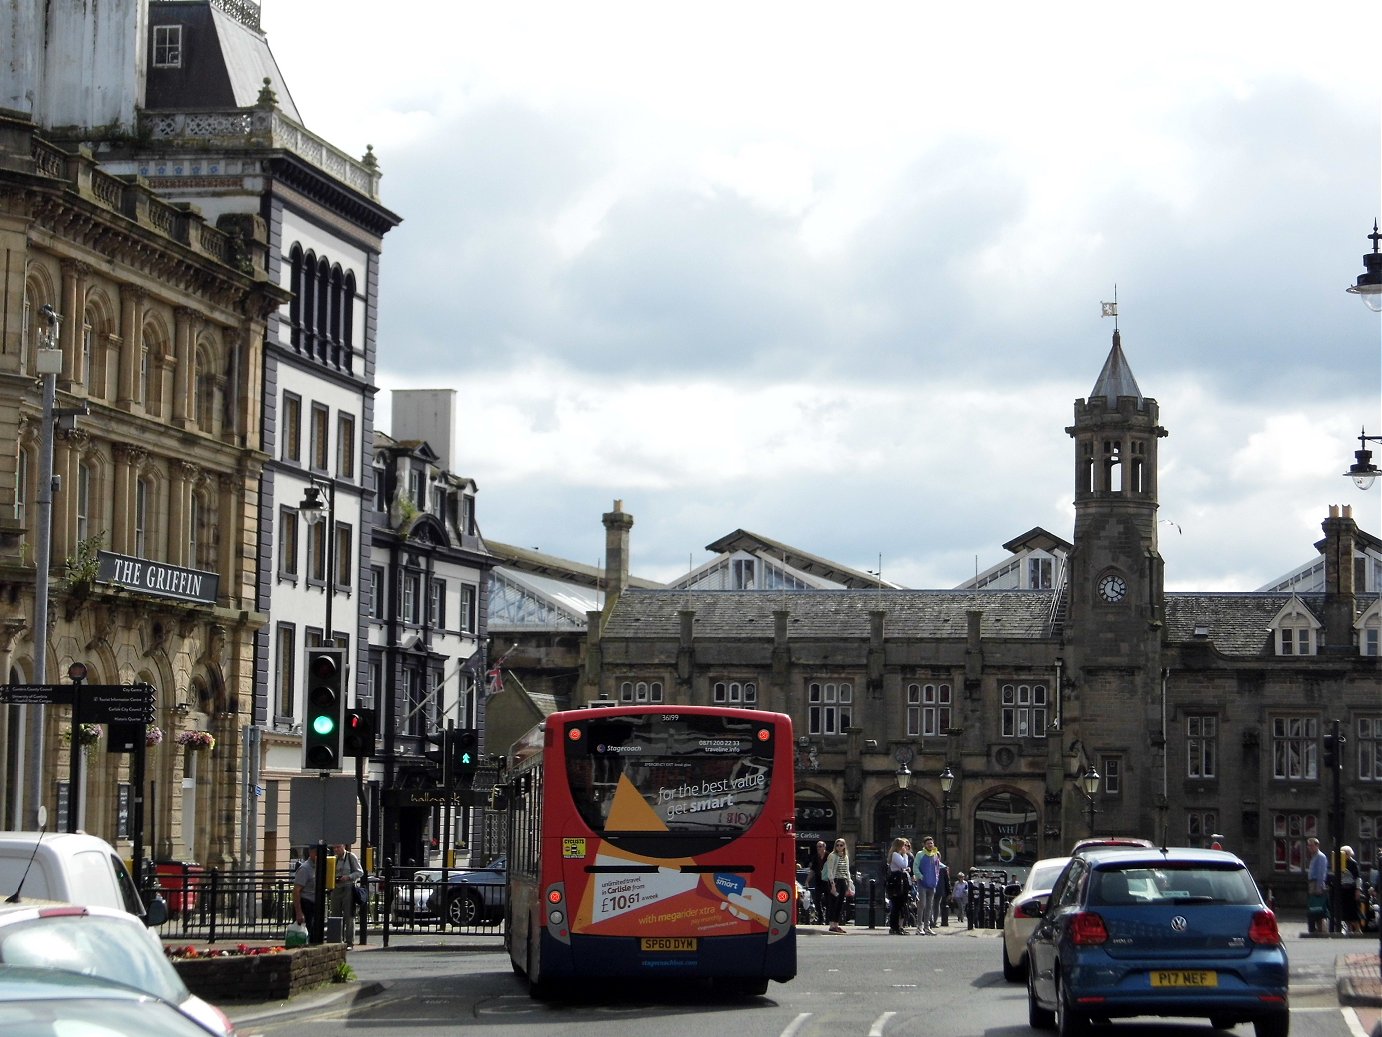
{"x":617,"y":526}
{"x":1340,"y":602}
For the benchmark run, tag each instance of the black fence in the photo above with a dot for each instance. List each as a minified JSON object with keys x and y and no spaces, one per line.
{"x":210,"y":906}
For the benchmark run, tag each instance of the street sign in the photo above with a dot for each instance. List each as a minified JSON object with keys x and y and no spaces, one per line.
{"x":37,"y":694}
{"x":118,"y":703}
{"x":322,"y":810}
{"x":430,"y":797}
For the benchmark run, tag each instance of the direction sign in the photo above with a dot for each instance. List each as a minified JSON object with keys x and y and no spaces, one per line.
{"x":37,"y":694}
{"x":116,"y":703}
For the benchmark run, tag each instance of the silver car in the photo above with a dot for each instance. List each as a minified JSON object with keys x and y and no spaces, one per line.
{"x":1027,"y":900}
{"x":101,"y":942}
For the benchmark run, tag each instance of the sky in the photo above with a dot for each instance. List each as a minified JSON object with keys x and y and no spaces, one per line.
{"x":833,"y":273}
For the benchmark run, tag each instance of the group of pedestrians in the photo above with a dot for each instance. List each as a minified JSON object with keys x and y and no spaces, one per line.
{"x":1354,"y":900}
{"x":917,"y":885}
{"x":342,"y":898}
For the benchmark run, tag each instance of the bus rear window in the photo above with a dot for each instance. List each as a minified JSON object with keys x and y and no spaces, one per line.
{"x":681,"y":774}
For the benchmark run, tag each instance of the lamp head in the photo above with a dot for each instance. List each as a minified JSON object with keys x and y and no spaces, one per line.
{"x":1090,"y":781}
{"x":904,"y":777}
{"x":947,"y":779}
{"x":1363,"y":471}
{"x":1368,"y":287}
{"x":311,"y":509}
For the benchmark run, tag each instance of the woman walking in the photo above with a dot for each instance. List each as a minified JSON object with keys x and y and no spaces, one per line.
{"x":899,"y":885}
{"x":841,"y":884}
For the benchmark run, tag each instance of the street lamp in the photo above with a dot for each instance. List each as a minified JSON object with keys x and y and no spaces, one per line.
{"x":947,"y":780}
{"x":1369,"y":284}
{"x":1363,"y":471}
{"x":1089,"y":785}
{"x":312,"y":512}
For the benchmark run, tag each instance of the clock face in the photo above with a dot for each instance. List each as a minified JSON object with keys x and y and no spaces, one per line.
{"x":1113,"y":588}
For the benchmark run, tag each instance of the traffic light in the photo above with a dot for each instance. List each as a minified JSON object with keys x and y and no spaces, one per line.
{"x":325,"y":705}
{"x":463,"y":754}
{"x":357,"y":739}
{"x":435,"y":751}
{"x":1331,"y":752}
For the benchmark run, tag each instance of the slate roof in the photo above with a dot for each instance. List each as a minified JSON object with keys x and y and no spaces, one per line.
{"x":1116,"y":378}
{"x":1238,"y":625}
{"x":825,"y":614}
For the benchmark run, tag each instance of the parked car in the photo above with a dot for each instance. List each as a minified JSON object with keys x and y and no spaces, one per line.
{"x":1026,"y":902}
{"x":471,"y":896}
{"x":43,"y":1001}
{"x":412,"y":898}
{"x":74,"y":867}
{"x":1169,"y":932}
{"x":104,"y":943}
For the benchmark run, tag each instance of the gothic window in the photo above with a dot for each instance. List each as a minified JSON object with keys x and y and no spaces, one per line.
{"x":1289,"y":835}
{"x":735,"y":693}
{"x":1200,"y":826}
{"x":1295,"y":747}
{"x":928,"y":710}
{"x":1024,"y":710}
{"x":640,"y":691}
{"x":829,"y":706}
{"x":1201,"y":745}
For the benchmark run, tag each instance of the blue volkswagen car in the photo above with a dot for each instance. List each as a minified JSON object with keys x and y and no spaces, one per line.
{"x":1157,"y":932}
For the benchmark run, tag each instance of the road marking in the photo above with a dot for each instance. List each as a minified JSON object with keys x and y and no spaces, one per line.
{"x":796,"y":1024}
{"x":876,"y":1030}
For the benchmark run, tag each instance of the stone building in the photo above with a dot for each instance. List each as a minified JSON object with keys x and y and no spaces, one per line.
{"x":1202,"y":714}
{"x":161,"y":319}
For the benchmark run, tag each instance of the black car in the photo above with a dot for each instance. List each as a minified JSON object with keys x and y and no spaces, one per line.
{"x":471,"y":896}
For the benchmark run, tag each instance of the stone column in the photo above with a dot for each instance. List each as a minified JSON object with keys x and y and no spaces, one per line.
{"x":184,"y":380}
{"x":132,"y":343}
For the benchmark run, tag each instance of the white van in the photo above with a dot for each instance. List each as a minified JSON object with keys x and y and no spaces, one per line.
{"x":73,"y":867}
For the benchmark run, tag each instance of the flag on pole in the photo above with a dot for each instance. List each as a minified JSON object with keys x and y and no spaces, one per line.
{"x":494,"y":681}
{"x":1110,"y":309}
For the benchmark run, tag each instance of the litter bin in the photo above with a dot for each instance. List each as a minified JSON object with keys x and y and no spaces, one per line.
{"x":179,"y":881}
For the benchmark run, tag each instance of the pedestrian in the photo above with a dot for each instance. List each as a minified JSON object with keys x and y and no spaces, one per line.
{"x":821,"y":886}
{"x":899,"y":885}
{"x":926,"y":873}
{"x":305,"y":890}
{"x":1317,"y":875}
{"x":342,"y":896}
{"x":841,"y":883}
{"x":942,"y":897}
{"x":1350,"y":892}
{"x":960,"y":895}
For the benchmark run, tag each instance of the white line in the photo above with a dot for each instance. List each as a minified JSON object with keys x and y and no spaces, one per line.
{"x":796,"y":1024}
{"x":876,"y":1030}
{"x":1354,"y":1024}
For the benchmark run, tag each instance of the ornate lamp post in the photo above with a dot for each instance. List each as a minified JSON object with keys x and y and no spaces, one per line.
{"x":1369,"y":284}
{"x":1089,"y":785}
{"x":947,"y":780}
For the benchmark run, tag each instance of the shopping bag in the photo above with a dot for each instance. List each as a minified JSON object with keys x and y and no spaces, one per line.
{"x":296,"y":936}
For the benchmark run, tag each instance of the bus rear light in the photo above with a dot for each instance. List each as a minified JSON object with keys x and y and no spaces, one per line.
{"x":780,"y":917}
{"x":783,"y":896}
{"x":556,"y":917}
{"x":554,"y":896}
{"x":764,"y":734}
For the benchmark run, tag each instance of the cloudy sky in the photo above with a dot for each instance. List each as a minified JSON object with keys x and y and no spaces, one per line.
{"x":832,"y":273}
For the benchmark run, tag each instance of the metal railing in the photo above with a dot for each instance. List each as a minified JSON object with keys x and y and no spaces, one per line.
{"x":210,"y":906}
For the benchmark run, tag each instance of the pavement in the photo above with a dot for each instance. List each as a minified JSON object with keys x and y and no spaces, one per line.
{"x":1358,"y":973}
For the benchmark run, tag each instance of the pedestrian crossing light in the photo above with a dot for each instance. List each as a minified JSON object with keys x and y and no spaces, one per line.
{"x":325,"y":707}
{"x":464,"y":752}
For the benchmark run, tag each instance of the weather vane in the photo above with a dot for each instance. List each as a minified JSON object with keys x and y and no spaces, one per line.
{"x":1110,"y":309}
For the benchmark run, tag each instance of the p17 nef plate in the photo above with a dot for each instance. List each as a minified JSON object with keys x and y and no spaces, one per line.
{"x":1185,"y":978}
{"x":667,"y":943}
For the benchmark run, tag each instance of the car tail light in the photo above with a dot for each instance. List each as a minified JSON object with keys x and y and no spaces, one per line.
{"x":1264,"y":929}
{"x":1088,"y":928}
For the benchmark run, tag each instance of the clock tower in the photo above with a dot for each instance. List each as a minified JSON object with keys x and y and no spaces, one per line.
{"x":1115,"y":580}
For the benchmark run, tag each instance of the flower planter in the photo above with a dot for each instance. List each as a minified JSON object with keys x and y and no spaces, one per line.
{"x":261,"y":977}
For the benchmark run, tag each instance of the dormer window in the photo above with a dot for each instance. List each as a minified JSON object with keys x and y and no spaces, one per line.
{"x":1295,"y":629}
{"x":1369,"y":628}
{"x":167,"y":46}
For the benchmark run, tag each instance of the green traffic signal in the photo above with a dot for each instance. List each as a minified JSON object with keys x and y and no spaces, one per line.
{"x":324,"y":725}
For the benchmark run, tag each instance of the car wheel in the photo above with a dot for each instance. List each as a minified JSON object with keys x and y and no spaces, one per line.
{"x":464,"y":909}
{"x":1038,"y":1018}
{"x":1012,"y":973}
{"x":1069,"y":1023}
{"x":1278,"y":1024}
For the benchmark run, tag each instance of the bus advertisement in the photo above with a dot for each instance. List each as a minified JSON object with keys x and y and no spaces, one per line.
{"x":653,"y":841}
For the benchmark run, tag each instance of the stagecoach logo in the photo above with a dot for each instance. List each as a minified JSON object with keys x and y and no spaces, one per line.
{"x":604,"y":748}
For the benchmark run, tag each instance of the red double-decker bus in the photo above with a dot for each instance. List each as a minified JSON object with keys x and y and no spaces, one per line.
{"x":655,"y":842}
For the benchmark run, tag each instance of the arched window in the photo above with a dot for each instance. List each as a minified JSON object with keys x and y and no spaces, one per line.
{"x":204,"y":388}
{"x":142,"y":493}
{"x":308,"y":306}
{"x":321,"y":318}
{"x":348,"y":323}
{"x":296,"y":286}
{"x":1006,"y":833}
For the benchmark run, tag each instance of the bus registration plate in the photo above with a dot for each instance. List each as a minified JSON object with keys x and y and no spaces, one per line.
{"x":667,"y":943}
{"x":1185,"y":978}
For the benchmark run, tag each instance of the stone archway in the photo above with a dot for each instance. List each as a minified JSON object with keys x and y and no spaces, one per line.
{"x":1007,"y":831}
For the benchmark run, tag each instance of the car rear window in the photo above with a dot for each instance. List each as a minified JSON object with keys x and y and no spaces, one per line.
{"x":90,"y":945}
{"x":1170,"y":884}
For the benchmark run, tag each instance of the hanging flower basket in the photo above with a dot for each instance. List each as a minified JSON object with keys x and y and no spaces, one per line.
{"x":153,"y":735}
{"x":87,"y":736}
{"x":197,"y":740}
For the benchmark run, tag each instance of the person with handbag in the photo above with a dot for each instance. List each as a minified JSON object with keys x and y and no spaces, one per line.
{"x":841,"y":883}
{"x":899,"y":885}
{"x":342,"y":896}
